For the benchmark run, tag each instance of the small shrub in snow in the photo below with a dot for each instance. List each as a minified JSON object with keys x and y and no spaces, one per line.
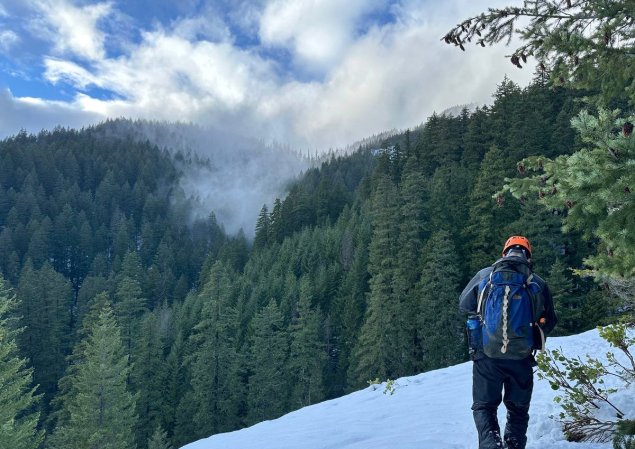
{"x":391,"y":385}
{"x":586,"y":388}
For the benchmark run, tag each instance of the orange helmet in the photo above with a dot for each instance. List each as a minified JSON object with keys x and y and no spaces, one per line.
{"x":517,"y":240}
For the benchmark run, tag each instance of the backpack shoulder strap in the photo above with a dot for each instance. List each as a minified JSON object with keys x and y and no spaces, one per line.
{"x":481,"y":296}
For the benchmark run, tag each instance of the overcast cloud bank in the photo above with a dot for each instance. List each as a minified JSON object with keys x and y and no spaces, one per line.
{"x":315,"y":75}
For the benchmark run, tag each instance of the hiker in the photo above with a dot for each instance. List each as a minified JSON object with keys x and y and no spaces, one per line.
{"x":510,"y":310}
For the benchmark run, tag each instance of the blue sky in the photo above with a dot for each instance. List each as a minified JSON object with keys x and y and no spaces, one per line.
{"x":310,"y":73}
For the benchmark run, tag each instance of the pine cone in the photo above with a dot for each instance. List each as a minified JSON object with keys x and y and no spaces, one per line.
{"x":569,"y":204}
{"x":521,"y":168}
{"x":500,"y":200}
{"x":627,"y":129}
{"x":541,"y":194}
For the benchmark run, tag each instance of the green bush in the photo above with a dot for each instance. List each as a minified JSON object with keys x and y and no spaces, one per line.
{"x":582,"y":384}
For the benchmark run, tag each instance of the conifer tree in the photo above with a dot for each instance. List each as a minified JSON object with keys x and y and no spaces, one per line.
{"x":476,"y":141}
{"x":307,"y":356}
{"x":445,"y":205}
{"x":505,"y":116}
{"x":412,"y":221}
{"x":563,"y":137}
{"x":18,"y":402}
{"x":100,"y":411}
{"x":412,"y":228}
{"x":267,"y":396}
{"x":262,"y":228}
{"x":215,"y":368}
{"x":440,"y":329}
{"x":485,"y":232}
{"x":175,"y":390}
{"x":159,"y":440}
{"x":568,"y":305}
{"x":379,"y":352}
{"x":440,"y":142}
{"x":45,"y":311}
{"x":148,"y":375}
{"x":350,"y":304}
{"x":277,"y":222}
{"x":129,"y":304}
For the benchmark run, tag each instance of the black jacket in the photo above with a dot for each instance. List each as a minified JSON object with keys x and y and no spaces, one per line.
{"x":469,"y":297}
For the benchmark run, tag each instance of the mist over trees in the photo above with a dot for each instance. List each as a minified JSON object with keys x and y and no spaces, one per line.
{"x":219,"y":171}
{"x":353,"y":275}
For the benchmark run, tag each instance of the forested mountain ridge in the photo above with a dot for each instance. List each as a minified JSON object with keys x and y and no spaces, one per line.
{"x":352,"y":276}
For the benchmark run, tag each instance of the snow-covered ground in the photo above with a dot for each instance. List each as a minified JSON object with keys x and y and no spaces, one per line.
{"x":427,"y":411}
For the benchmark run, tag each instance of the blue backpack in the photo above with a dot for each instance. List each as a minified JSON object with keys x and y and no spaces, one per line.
{"x":509,"y":301}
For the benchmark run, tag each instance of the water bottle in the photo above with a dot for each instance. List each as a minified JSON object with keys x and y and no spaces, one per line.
{"x":474,"y":333}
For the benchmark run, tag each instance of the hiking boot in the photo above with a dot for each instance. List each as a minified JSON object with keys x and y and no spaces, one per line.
{"x":513,"y":443}
{"x":492,"y":441}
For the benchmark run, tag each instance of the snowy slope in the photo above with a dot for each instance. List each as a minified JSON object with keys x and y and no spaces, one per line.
{"x":427,"y":411}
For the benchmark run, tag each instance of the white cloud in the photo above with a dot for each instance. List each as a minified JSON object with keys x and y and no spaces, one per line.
{"x":58,"y":70}
{"x":8,"y":39}
{"x":317,"y":31}
{"x":72,"y":29}
{"x":208,"y":27}
{"x":35,"y":114}
{"x":394,"y":76}
{"x":246,"y":14}
{"x":172,"y":78}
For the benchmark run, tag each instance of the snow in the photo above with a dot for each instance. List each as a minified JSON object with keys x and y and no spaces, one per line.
{"x":427,"y":411}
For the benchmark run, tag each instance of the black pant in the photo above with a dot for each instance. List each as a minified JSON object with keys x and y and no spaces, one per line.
{"x":489,"y":378}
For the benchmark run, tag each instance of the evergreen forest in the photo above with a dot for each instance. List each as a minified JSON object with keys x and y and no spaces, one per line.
{"x":125,"y":323}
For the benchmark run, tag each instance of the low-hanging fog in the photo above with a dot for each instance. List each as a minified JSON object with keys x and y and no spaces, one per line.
{"x":224,"y":174}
